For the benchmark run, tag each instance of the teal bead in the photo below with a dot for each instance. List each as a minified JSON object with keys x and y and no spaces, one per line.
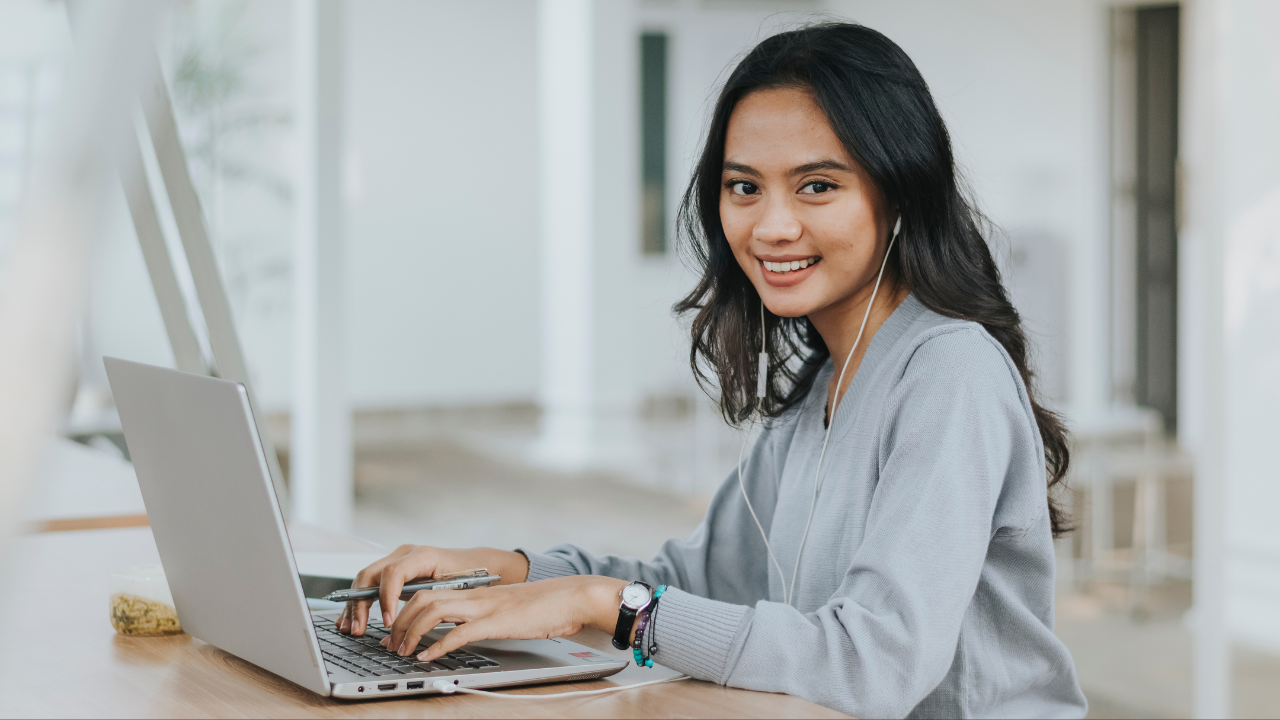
{"x":648,"y":663}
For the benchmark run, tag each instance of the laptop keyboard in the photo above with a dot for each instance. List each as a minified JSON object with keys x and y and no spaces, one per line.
{"x":364,"y":656}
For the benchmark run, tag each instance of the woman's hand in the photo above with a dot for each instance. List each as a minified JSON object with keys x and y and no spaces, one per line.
{"x":411,"y":562}
{"x":545,"y":609}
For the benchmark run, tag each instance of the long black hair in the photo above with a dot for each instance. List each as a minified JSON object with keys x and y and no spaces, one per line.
{"x":880,"y":107}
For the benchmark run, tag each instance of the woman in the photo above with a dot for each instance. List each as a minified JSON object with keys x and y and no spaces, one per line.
{"x":894,"y":561}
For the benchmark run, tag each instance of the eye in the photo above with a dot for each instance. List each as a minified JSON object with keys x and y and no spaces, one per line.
{"x":816,"y":187}
{"x":742,"y":187}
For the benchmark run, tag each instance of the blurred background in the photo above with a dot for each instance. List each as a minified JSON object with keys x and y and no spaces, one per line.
{"x":445,"y":231}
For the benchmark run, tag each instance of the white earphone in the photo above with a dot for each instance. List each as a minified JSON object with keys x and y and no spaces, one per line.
{"x":788,"y":590}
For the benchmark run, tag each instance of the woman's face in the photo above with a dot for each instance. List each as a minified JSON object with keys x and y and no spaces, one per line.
{"x":804,"y":221}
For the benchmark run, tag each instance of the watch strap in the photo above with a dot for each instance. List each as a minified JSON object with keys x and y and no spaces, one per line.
{"x":622,"y":632}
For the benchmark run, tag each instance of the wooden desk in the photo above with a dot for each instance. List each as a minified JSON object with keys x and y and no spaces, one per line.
{"x":61,"y":658}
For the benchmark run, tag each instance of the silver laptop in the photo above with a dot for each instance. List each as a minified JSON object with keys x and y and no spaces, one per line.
{"x":200,"y":463}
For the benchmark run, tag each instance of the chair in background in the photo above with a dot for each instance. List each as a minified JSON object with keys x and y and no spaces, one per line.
{"x":1126,"y":448}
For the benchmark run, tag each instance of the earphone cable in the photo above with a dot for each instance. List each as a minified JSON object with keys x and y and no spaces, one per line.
{"x":782,"y":577}
{"x":835,"y":403}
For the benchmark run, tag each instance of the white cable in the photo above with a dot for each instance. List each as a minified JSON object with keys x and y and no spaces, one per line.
{"x":782,"y":577}
{"x":787,"y":592}
{"x":762,"y":369}
{"x":446,"y":687}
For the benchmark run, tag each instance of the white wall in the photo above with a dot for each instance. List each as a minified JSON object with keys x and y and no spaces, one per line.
{"x":442,"y":234}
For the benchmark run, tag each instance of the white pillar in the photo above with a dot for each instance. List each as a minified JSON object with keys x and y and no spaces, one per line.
{"x":1232,"y":201}
{"x":1201,"y":342}
{"x":566,"y":201}
{"x":1088,"y":323}
{"x":320,"y":457}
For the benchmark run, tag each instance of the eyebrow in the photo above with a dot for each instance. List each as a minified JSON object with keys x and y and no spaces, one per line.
{"x":733,"y":167}
{"x":821,"y":165}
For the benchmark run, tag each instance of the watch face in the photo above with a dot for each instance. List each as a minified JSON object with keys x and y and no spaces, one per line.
{"x":635,"y":596}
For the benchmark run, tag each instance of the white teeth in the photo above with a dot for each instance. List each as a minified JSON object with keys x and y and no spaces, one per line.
{"x":786,"y":267}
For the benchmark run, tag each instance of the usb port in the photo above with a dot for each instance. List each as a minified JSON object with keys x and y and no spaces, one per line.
{"x":387,"y":686}
{"x":415,"y":685}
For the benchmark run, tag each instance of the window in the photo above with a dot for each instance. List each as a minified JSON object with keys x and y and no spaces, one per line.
{"x":653,"y":143}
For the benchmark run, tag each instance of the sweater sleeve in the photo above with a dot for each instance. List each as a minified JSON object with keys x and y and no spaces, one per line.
{"x":889,"y":634}
{"x":723,"y":559}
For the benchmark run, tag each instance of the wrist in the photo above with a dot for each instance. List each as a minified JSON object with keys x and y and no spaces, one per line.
{"x":605,"y":603}
{"x":513,"y":567}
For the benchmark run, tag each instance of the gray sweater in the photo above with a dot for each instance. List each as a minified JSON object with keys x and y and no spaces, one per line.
{"x":926,"y":585}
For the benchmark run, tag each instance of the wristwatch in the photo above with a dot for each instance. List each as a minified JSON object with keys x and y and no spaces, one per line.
{"x":636,"y":596}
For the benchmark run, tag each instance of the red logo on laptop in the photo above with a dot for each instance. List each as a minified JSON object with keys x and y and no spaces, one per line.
{"x":592,"y":657}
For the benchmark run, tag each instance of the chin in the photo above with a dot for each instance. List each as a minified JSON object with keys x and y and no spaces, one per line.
{"x":788,"y":307}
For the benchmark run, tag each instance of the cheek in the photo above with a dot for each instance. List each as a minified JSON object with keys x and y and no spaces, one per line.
{"x":737,"y":226}
{"x":847,"y":230}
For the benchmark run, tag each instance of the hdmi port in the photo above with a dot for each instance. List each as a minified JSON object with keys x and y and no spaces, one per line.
{"x":387,"y":686}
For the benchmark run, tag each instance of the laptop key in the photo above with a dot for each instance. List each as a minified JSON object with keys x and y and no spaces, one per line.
{"x":449,"y":663}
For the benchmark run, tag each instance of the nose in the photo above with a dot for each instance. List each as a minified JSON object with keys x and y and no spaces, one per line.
{"x":778,"y":224}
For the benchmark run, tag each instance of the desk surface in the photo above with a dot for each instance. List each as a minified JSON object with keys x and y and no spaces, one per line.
{"x":61,"y":658}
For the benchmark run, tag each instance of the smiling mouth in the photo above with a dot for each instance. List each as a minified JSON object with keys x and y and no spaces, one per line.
{"x":783,"y":268}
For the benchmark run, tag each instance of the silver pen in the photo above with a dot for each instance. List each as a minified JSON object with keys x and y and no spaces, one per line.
{"x":408,"y":590}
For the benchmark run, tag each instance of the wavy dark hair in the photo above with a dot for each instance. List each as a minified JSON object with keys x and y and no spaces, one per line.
{"x":880,"y":108}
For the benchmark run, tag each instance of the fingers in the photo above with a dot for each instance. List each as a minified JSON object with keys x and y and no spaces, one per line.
{"x":426,"y":610}
{"x":357,"y":612}
{"x":463,"y":634}
{"x":392,"y":582}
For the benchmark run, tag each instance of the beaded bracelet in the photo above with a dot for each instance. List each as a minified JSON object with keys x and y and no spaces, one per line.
{"x":642,"y":620}
{"x":642,"y":623}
